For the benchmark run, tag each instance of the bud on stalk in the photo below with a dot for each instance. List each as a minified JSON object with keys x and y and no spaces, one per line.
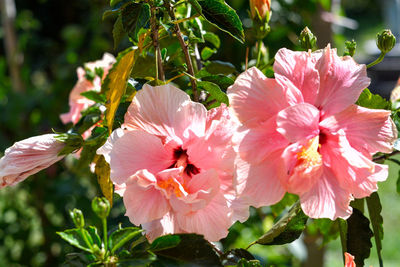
{"x":385,"y":41}
{"x":101,"y":207}
{"x":307,"y":39}
{"x":260,"y":8}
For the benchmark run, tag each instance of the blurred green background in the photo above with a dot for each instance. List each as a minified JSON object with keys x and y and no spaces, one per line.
{"x":53,"y":38}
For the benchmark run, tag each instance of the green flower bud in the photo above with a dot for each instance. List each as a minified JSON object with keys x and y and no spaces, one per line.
{"x":101,"y":207}
{"x":385,"y":41}
{"x":350,"y":48}
{"x":77,"y":218}
{"x":307,"y":39}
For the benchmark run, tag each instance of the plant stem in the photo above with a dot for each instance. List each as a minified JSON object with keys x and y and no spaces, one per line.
{"x":105,"y":234}
{"x":259,"y":53}
{"x":379,"y":59}
{"x":386,"y":156}
{"x":185,"y":49}
{"x":157,"y":52}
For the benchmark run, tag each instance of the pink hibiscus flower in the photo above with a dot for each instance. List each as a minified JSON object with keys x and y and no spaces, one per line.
{"x":302,"y":133}
{"x":349,"y":260}
{"x":77,"y":102}
{"x":173,"y":163}
{"x":28,"y":157}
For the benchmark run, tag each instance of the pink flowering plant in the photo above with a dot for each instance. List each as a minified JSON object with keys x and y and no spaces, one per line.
{"x":187,"y":145}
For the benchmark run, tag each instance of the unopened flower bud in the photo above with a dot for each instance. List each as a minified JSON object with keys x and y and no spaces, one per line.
{"x":72,"y":141}
{"x":307,"y":39}
{"x":101,"y":207}
{"x":350,"y":48}
{"x":260,"y":7}
{"x":77,"y":218}
{"x":385,"y":41}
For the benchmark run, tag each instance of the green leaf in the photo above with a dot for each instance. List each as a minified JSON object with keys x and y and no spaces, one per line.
{"x":116,"y":82}
{"x":94,"y":235}
{"x":221,"y":15}
{"x":212,"y":38}
{"x":369,"y":100}
{"x":118,"y":32}
{"x":192,"y":250}
{"x":249,"y":263}
{"x":287,"y":229}
{"x":220,"y":67}
{"x":222,"y":81}
{"x":327,"y":228}
{"x":287,"y":201}
{"x":114,"y":2}
{"x":234,"y":256}
{"x":207,"y":52}
{"x":396,"y":119}
{"x":374,"y":210}
{"x":165,"y":242}
{"x":358,"y":237}
{"x":120,"y":237}
{"x":214,"y":91}
{"x":135,"y":16}
{"x":102,"y":171}
{"x":75,"y":238}
{"x":95,"y":96}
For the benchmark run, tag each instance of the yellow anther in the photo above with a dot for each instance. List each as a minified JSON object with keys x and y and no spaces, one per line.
{"x":309,"y":155}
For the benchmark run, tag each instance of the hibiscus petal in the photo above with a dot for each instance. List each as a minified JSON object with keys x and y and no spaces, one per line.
{"x":259,"y":184}
{"x":298,"y":122}
{"x":130,"y":151}
{"x":143,"y":204}
{"x":164,"y":111}
{"x":299,"y":68}
{"x":368,"y":130}
{"x":353,"y":170}
{"x":212,"y":221}
{"x":327,"y":199}
{"x":341,"y":81}
{"x":164,"y":226}
{"x":255,"y":144}
{"x":255,"y":98}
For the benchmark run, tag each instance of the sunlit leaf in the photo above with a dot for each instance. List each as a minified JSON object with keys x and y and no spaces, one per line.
{"x":287,"y":229}
{"x":370,"y":100}
{"x":75,"y":237}
{"x":94,"y":235}
{"x":221,"y":15}
{"x":121,"y":236}
{"x":214,"y":91}
{"x":116,"y":82}
{"x":102,"y":171}
{"x":165,"y":242}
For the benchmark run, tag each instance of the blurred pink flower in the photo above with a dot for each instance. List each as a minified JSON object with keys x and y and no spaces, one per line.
{"x":349,"y":260}
{"x":77,"y":102}
{"x":173,"y":163}
{"x":302,"y":133}
{"x":28,"y":157}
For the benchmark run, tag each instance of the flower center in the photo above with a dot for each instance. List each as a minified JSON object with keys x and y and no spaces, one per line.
{"x":181,"y":160}
{"x":309,"y":155}
{"x":172,"y":186}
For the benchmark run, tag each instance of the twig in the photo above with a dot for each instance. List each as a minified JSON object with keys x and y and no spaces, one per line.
{"x":185,"y":50}
{"x":385,"y":156}
{"x":154,"y":35}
